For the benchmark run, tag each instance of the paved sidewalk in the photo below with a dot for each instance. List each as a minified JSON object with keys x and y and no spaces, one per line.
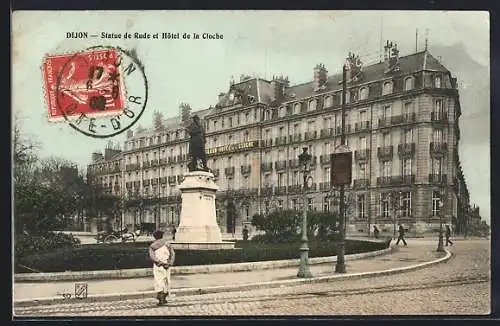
{"x":415,"y":253}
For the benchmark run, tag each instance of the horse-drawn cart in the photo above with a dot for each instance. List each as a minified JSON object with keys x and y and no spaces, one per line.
{"x":113,"y":236}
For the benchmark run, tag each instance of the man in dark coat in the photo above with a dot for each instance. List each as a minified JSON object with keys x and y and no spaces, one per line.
{"x":197,"y":146}
{"x":401,"y":235}
{"x":448,"y":235}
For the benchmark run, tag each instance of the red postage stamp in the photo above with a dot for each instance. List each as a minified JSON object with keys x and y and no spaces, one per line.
{"x":87,"y":82}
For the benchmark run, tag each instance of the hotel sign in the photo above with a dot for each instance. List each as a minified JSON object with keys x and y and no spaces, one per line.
{"x":232,"y":147}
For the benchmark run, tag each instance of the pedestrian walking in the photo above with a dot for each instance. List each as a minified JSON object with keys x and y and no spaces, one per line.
{"x":163,"y":256}
{"x":245,"y":233}
{"x":376,"y":231}
{"x":448,"y":235}
{"x":174,"y":231}
{"x":401,"y":235}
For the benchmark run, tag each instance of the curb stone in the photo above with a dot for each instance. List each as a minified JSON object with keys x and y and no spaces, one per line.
{"x":232,"y":288}
{"x":186,"y":270}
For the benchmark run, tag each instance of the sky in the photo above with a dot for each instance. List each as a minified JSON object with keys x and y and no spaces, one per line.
{"x":258,"y":43}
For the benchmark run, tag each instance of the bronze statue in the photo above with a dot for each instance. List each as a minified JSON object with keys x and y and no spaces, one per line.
{"x":197,"y":156}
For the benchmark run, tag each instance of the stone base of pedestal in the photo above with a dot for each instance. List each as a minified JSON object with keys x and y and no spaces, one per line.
{"x":198,"y":234}
{"x":202,"y":245}
{"x":198,"y":223}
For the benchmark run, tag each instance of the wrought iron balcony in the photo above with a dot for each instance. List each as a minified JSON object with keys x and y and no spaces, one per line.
{"x":281,"y":190}
{"x":171,"y":180}
{"x":294,"y":189}
{"x":280,"y":165}
{"x":295,"y":138}
{"x":266,"y":167}
{"x":325,"y":133}
{"x":229,"y":172}
{"x":439,"y":116}
{"x":406,"y":149}
{"x":245,"y":169}
{"x":362,"y":154}
{"x":403,"y":118}
{"x":146,"y":164}
{"x":436,"y":178}
{"x":396,"y":180}
{"x":163,"y":161}
{"x":438,"y":147}
{"x":146,"y":182}
{"x":385,"y":153}
{"x":362,"y":126}
{"x":384,"y":122}
{"x":280,"y":140}
{"x":163,"y":180}
{"x":154,"y":181}
{"x":266,"y":142}
{"x":137,"y":184}
{"x":267,"y":191}
{"x":361,"y":183}
{"x":310,"y":135}
{"x":180,"y":178}
{"x":154,"y":162}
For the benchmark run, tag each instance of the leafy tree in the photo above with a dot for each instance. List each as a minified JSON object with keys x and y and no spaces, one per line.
{"x":158,"y":121}
{"x":39,"y":209}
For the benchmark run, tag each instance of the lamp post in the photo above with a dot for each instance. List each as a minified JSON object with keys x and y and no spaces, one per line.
{"x":440,"y":240}
{"x":304,"y":272}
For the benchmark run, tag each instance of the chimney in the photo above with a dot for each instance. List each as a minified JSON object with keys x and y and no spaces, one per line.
{"x":109,"y":153}
{"x":391,"y":55}
{"x":96,"y":157}
{"x":278,"y":85}
{"x":130,"y":133}
{"x":221,"y":96}
{"x":320,"y":76}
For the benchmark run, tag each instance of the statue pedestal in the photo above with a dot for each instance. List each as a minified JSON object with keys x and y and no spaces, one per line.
{"x":198,"y":227}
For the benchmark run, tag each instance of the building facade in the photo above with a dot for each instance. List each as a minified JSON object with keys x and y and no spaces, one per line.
{"x":402,"y":124}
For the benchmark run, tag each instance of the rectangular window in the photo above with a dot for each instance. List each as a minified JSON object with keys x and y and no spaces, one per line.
{"x":362,"y":143}
{"x":295,"y":204}
{"x":326,"y":204}
{"x":408,"y":136}
{"x":385,"y":205}
{"x":295,"y":178}
{"x":245,"y":136}
{"x":296,"y":129}
{"x":406,"y":204}
{"x":326,"y":174}
{"x":280,"y":204}
{"x":436,"y":199}
{"x":406,"y":164}
{"x":386,"y":139}
{"x":281,"y":131}
{"x":386,"y":112}
{"x":408,"y":109}
{"x":230,"y":120}
{"x":386,"y":169}
{"x":437,"y":82}
{"x":437,"y":135}
{"x":281,"y":179}
{"x":439,"y":110}
{"x":362,"y":171}
{"x":362,"y":116}
{"x":361,"y":207}
{"x":437,"y":166}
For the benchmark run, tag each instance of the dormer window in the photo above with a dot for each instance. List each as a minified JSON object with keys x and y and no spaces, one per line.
{"x":363,"y":93}
{"x":312,"y":105}
{"x":281,"y":111}
{"x":387,"y":89}
{"x":408,"y":83}
{"x":296,"y":108}
{"x":437,"y":81}
{"x":328,"y":101}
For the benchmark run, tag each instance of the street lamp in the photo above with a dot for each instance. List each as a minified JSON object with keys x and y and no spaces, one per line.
{"x":305,"y":162}
{"x":440,"y":241}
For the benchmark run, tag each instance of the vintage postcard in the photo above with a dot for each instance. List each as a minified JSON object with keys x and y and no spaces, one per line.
{"x":175,"y":163}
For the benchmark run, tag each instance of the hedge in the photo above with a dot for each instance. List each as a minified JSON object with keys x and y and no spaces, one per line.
{"x":126,"y":256}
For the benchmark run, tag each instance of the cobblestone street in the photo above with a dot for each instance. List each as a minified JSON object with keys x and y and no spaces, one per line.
{"x":459,"y":286}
